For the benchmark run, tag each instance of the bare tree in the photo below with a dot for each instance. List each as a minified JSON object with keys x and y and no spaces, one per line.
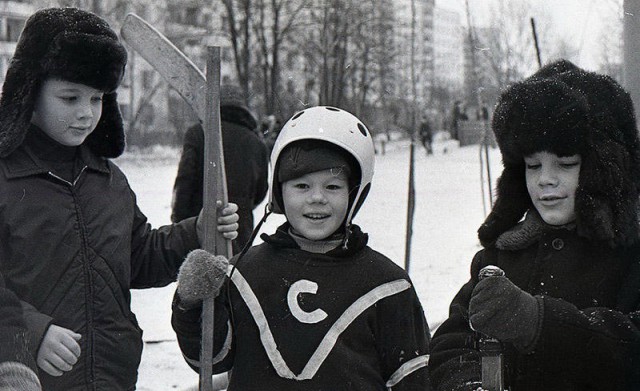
{"x":347,"y":45}
{"x":274,"y":24}
{"x":611,"y":46}
{"x":511,"y":51}
{"x":238,"y":24}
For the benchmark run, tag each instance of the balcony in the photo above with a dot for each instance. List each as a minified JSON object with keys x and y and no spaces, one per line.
{"x":16,"y":9}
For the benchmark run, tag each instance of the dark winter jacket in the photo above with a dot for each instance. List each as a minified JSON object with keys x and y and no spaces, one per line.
{"x":72,"y":250}
{"x":344,"y":320}
{"x":246,"y":168}
{"x":13,"y":330}
{"x":589,"y":333}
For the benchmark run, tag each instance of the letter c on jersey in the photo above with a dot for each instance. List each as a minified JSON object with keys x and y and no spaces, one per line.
{"x":304,"y":286}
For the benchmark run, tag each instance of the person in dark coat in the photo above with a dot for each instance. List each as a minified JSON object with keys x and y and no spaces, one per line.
{"x":313,"y":307}
{"x":246,"y":165}
{"x":567,"y":310}
{"x":458,"y":114}
{"x":426,"y":135}
{"x":17,"y":365}
{"x":73,"y":241}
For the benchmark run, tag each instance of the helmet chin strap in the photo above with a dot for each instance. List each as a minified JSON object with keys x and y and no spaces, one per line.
{"x":267,"y":211}
{"x":347,"y":234}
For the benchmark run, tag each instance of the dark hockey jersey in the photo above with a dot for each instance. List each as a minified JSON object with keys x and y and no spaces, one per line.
{"x":289,"y":319}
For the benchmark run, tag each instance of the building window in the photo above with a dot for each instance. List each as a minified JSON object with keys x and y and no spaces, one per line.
{"x":191,"y":16}
{"x":14,"y":28}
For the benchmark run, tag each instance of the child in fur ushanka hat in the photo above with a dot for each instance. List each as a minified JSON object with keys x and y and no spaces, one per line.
{"x":73,"y":241}
{"x":564,"y":229}
{"x":313,"y":307}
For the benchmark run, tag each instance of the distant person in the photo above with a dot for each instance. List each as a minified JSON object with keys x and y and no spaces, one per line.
{"x":313,"y":307}
{"x":246,"y":164}
{"x":565,"y":231}
{"x":458,"y":114}
{"x":73,"y":241}
{"x":482,"y":114}
{"x":426,"y":135}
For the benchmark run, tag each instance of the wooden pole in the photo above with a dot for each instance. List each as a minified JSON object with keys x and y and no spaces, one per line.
{"x":535,"y":41}
{"x":491,"y":368}
{"x":214,"y":189}
{"x":411,"y":197}
{"x":484,"y":144}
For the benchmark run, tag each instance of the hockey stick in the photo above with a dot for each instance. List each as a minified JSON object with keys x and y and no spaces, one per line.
{"x":200,"y":93}
{"x":176,"y":68}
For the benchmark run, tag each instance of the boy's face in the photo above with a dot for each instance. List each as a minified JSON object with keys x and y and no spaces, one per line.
{"x":67,"y":112}
{"x":552,"y":182}
{"x":316,"y":203}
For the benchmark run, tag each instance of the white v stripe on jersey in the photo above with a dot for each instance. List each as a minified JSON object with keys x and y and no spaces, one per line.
{"x":329,"y":340}
{"x":406,"y":369}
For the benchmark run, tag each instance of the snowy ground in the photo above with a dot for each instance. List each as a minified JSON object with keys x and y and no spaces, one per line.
{"x":449,"y":209}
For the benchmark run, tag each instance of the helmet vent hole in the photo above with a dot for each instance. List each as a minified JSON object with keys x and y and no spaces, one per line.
{"x":363,"y":130}
{"x":298,"y":115}
{"x":332,"y":109}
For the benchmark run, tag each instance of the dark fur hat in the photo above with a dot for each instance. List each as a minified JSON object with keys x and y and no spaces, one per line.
{"x":72,"y":45}
{"x":566,"y":110}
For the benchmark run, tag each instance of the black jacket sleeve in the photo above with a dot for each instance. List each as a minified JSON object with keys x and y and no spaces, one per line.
{"x":454,"y":363}
{"x":187,"y":324}
{"x":14,"y":337}
{"x":156,"y":254}
{"x":404,"y":342}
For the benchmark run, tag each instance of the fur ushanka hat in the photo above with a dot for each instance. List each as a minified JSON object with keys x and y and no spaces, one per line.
{"x":566,"y":110}
{"x":72,"y":45}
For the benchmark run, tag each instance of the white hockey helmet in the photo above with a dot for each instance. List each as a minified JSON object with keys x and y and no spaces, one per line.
{"x":335,"y":126}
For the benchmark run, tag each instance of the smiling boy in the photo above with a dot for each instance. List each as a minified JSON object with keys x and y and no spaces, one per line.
{"x":567,"y":310}
{"x":73,"y":242}
{"x":313,"y":307}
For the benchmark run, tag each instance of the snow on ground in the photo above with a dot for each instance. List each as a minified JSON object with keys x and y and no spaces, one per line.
{"x":449,"y":209}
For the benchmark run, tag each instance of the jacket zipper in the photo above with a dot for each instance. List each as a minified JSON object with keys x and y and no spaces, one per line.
{"x":87,"y":272}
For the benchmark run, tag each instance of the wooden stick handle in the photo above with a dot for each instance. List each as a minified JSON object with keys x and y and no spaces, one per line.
{"x":215,"y":188}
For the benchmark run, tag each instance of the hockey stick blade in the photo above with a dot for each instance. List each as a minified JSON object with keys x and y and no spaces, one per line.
{"x":176,"y":68}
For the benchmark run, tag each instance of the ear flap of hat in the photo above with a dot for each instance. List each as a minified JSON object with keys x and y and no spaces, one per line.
{"x":512,"y":202}
{"x":16,"y":106}
{"x":108,"y":137}
{"x":607,"y":198}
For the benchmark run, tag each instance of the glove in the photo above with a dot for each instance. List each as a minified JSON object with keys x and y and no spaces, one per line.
{"x":201,"y":275}
{"x":499,"y":309}
{"x":59,"y":350}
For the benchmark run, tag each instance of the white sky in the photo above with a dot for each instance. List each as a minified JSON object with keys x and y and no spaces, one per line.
{"x":581,"y":22}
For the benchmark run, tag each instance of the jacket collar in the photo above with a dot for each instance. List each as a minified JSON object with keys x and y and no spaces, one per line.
{"x":23,"y":162}
{"x":357,"y":241}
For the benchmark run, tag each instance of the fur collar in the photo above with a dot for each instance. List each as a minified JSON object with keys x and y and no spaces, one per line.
{"x":527,"y":232}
